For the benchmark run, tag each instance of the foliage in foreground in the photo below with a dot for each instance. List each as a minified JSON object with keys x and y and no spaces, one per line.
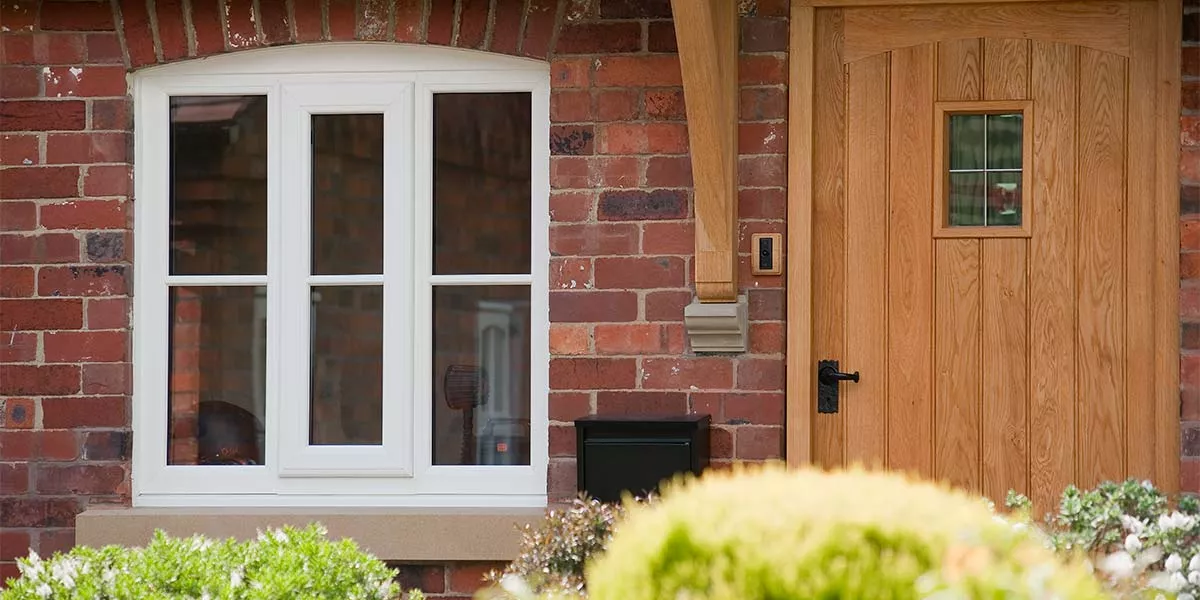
{"x":760,"y":533}
{"x":281,"y":563}
{"x":1142,"y":544}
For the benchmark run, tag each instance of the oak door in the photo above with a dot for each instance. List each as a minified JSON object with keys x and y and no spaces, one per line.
{"x":991,"y":242}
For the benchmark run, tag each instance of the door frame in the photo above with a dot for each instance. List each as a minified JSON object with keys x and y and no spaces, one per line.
{"x":801,"y":362}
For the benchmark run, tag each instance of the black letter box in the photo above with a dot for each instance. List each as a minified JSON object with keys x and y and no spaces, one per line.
{"x":635,"y":453}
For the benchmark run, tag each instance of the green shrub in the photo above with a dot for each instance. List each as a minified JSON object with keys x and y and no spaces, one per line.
{"x":281,"y":563}
{"x":767,"y":533}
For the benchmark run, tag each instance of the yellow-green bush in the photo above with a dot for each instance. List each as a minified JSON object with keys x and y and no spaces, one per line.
{"x":767,"y":533}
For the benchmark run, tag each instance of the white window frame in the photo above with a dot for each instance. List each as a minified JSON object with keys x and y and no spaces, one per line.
{"x":398,"y":80}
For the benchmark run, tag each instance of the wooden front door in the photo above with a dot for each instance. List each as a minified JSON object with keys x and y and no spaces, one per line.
{"x":991,"y":241}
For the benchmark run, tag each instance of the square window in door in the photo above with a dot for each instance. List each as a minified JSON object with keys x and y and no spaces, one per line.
{"x":981,"y":160}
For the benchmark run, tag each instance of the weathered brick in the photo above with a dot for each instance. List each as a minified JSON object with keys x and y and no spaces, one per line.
{"x":472,"y":24}
{"x":760,"y":374}
{"x":638,"y":71}
{"x":569,"y":339}
{"x":593,"y":307}
{"x":84,"y":411}
{"x":762,"y":138}
{"x":759,"y":443}
{"x":18,"y":347}
{"x":468,"y":577}
{"x":761,"y":69}
{"x":686,"y":373}
{"x":13,"y":544}
{"x":599,"y":37}
{"x":562,"y":440}
{"x":39,"y":380}
{"x":82,"y":281}
{"x":630,"y":338}
{"x":84,"y":214}
{"x":20,"y":82}
{"x":506,"y":29}
{"x":19,"y":15}
{"x":410,"y":26}
{"x":639,"y":272}
{"x":761,"y":34}
{"x":19,"y":413}
{"x":669,"y":171}
{"x":111,"y":114}
{"x":16,"y":282}
{"x":570,"y":273}
{"x":39,"y":182}
{"x":635,"y":9}
{"x":207,"y":29}
{"x":17,"y":216}
{"x":638,"y":205}
{"x":570,"y":207}
{"x":18,"y":150}
{"x":104,"y":48}
{"x":760,"y":103}
{"x":14,"y":478}
{"x":171,"y":33}
{"x":571,"y":140}
{"x":567,"y":106}
{"x":667,"y":305}
{"x":593,"y":239}
{"x":672,"y":237}
{"x":616,"y":105}
{"x":440,"y":30}
{"x":644,"y":403}
{"x":76,"y":16}
{"x":274,"y":20}
{"x":592,"y":373}
{"x":38,"y":512}
{"x":80,"y":479}
{"x":107,"y":313}
{"x":568,"y":406}
{"x":341,"y":19}
{"x":41,"y":314}
{"x":84,"y":148}
{"x":139,"y":34}
{"x":39,"y":249}
{"x":566,"y":73}
{"x":105,"y":246}
{"x":660,"y":37}
{"x":84,"y":346}
{"x":106,"y":379}
{"x":430,"y":579}
{"x":762,"y":171}
{"x":41,"y":115}
{"x":539,"y":28}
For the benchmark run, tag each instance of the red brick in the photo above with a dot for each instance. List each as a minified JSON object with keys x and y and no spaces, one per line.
{"x":341,"y":20}
{"x":638,"y":205}
{"x":107,"y":313}
{"x":19,"y":15}
{"x":760,"y":69}
{"x":17,"y":216}
{"x":569,"y":172}
{"x":39,"y":182}
{"x":570,"y":207}
{"x":630,"y":338}
{"x":206,"y":26}
{"x":60,"y":445}
{"x":38,"y":512}
{"x":74,"y":148}
{"x":106,"y":379}
{"x":757,"y":104}
{"x":441,"y":23}
{"x":107,"y":445}
{"x":562,"y":479}
{"x":18,"y":150}
{"x":1190,"y":62}
{"x":665,"y":104}
{"x":762,"y":138}
{"x":641,"y":403}
{"x":570,"y":273}
{"x":171,"y":34}
{"x":761,"y":34}
{"x":107,"y":181}
{"x":240,"y":31}
{"x":19,"y":82}
{"x":14,"y":478}
{"x":756,"y":409}
{"x":570,"y":106}
{"x":592,"y":373}
{"x":41,"y":115}
{"x":84,"y":346}
{"x":13,"y":544}
{"x":686,"y":373}
{"x":1189,"y":130}
{"x":55,"y":540}
{"x":74,"y":412}
{"x":39,"y":249}
{"x":85,"y":214}
{"x":767,"y":338}
{"x":615,"y":172}
{"x":599,"y":38}
{"x":1189,"y":475}
{"x":506,"y":29}
{"x":593,"y":239}
{"x":571,"y":140}
{"x":669,"y":171}
{"x":80,"y":479}
{"x":1189,"y":370}
{"x":569,"y":339}
{"x":773,"y":8}
{"x":1189,"y":303}
{"x":16,"y":282}
{"x":539,"y":28}
{"x":430,"y":579}
{"x":568,"y":406}
{"x":39,"y":380}
{"x":635,"y":9}
{"x":640,"y":272}
{"x":82,"y":281}
{"x":667,"y":305}
{"x":674,"y":237}
{"x":1189,"y":265}
{"x":76,"y":16}
{"x":569,"y":72}
{"x":562,"y":440}
{"x":758,"y":203}
{"x":409,"y":21}
{"x":276,"y":29}
{"x":111,"y":114}
{"x":660,"y":37}
{"x":762,"y":171}
{"x":104,"y":48}
{"x":1191,"y":96}
{"x":638,"y":71}
{"x":16,"y":444}
{"x":1189,"y":235}
{"x":18,"y":347}
{"x":593,"y":307}
{"x":616,"y":105}
{"x":19,"y":413}
{"x":472,"y":23}
{"x":720,"y":442}
{"x":139,"y":36}
{"x":468,"y":577}
{"x":759,"y":443}
{"x":766,"y":305}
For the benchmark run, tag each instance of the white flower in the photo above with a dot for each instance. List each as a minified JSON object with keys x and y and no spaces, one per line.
{"x":235,"y":578}
{"x":43,"y":591}
{"x":1132,"y":543}
{"x":1132,"y":524}
{"x":1185,"y":597}
{"x":280,"y":535}
{"x":1118,"y":565}
{"x":1174,"y":563}
{"x":1194,"y":564}
{"x":1194,"y":578}
{"x":1178,"y":582}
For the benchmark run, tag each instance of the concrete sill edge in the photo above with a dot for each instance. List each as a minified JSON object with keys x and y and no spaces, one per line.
{"x":400,"y":535}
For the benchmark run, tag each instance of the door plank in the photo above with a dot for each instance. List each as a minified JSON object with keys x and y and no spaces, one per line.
{"x":958,"y":347}
{"x":1005,"y":69}
{"x":960,"y":69}
{"x":866,"y":261}
{"x":1005,"y":365}
{"x":1101,"y":25}
{"x":1100,"y":255}
{"x":1052,"y":274}
{"x":910,"y":262}
{"x":829,"y":223}
{"x":1139,"y":250}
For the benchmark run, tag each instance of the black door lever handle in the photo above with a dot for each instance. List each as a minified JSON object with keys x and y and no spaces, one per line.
{"x":829,"y":375}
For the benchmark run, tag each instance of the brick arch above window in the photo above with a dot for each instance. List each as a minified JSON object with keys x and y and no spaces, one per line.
{"x":169,"y":31}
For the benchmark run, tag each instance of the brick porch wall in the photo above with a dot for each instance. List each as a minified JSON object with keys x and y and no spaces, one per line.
{"x":1189,"y":241}
{"x":621,"y":233}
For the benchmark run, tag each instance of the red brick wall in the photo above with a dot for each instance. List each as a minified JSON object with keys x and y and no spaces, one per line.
{"x":1189,"y":241}
{"x":621,"y":232}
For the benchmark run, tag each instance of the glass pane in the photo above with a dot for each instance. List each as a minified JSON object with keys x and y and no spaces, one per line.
{"x":481,"y":375}
{"x":1004,"y":198}
{"x":347,"y":194}
{"x":218,"y":185}
{"x":481,"y":187}
{"x":347,"y":366}
{"x":966,"y":142}
{"x":966,"y":199}
{"x":1004,"y":141}
{"x":217,"y":386}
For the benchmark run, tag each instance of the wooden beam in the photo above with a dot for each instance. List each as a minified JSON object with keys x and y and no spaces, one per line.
{"x":706,"y":32}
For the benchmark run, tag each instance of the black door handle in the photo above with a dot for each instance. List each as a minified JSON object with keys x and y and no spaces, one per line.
{"x":829,"y":375}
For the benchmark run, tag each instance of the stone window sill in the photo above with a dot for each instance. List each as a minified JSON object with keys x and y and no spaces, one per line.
{"x":392,"y":534}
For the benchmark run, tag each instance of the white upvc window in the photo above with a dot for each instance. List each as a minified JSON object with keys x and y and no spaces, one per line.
{"x":341,"y":279}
